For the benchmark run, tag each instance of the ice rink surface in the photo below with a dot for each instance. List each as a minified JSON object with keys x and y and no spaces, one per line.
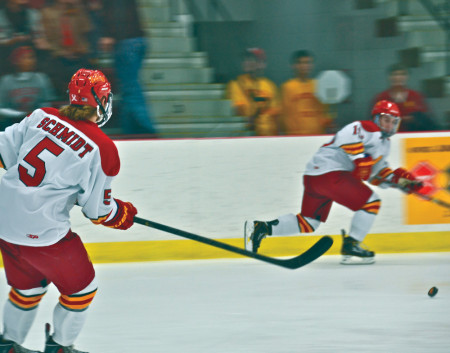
{"x":245,"y":306}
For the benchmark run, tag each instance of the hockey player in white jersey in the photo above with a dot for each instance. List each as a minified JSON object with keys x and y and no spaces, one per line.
{"x":336,"y":173}
{"x":55,"y":159}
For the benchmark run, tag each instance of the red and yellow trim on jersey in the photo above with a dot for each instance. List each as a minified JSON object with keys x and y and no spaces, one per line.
{"x":24,"y":302}
{"x":77,"y":302}
{"x":117,"y":224}
{"x":382,"y":175}
{"x":305,"y":227}
{"x":372,"y":207}
{"x":363,"y":163}
{"x":353,"y":148}
{"x":100,"y":220}
{"x":2,"y":165}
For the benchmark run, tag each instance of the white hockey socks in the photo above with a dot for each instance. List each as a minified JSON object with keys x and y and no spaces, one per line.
{"x":290,"y":224}
{"x":20,"y":311}
{"x":70,"y":314}
{"x":67,"y":325}
{"x":363,"y":219}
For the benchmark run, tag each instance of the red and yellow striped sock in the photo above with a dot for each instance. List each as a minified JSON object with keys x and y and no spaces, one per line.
{"x":372,"y":207}
{"x":24,"y":302}
{"x":77,"y":302}
{"x":305,"y":227}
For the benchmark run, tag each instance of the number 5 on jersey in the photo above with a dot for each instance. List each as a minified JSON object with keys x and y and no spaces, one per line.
{"x":32,"y":158}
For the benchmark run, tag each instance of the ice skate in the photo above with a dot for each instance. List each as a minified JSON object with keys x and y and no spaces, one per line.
{"x":53,"y":347}
{"x":11,"y":347}
{"x":353,"y":253}
{"x":254,"y":233}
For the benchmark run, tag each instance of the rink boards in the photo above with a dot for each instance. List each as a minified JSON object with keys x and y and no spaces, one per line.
{"x":211,"y":186}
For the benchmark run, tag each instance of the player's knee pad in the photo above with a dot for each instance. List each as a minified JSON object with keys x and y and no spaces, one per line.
{"x":307,"y":224}
{"x":26,"y":299}
{"x":81,"y":300}
{"x":372,"y":205}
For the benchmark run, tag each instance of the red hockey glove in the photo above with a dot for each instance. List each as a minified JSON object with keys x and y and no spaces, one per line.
{"x":124,"y":216}
{"x":406,"y":180}
{"x":363,"y":167}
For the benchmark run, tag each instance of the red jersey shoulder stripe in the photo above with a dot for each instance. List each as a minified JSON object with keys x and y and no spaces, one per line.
{"x":370,"y":126}
{"x":50,"y":110}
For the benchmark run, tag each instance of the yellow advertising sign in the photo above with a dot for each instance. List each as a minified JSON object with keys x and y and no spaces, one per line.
{"x":428,"y":158}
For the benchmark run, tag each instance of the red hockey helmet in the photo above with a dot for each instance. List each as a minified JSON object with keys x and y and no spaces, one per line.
{"x":88,"y":87}
{"x":389,"y":110}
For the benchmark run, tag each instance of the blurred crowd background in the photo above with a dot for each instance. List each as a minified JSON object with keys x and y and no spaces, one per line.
{"x":212,"y":68}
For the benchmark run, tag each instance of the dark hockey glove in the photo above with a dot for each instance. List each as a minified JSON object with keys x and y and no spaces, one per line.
{"x":124,"y":216}
{"x":363,"y":167}
{"x":406,"y":181}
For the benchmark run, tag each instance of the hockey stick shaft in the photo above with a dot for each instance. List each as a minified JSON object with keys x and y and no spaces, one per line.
{"x":434,"y":200}
{"x":310,"y":255}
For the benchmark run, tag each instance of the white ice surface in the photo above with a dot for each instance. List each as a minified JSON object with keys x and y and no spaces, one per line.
{"x":245,"y":306}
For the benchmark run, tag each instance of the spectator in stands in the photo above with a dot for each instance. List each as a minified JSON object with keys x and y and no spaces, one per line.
{"x":303,"y":113}
{"x":413,"y":107}
{"x":123,"y":34}
{"x":37,"y":4}
{"x":20,"y":25}
{"x":67,"y":26}
{"x":95,"y":11}
{"x":25,"y":90}
{"x":255,"y":96}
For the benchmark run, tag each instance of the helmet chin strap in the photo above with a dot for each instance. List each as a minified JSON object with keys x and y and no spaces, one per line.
{"x":103,"y":114}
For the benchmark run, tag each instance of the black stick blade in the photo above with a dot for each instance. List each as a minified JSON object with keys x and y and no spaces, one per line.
{"x":313,"y":253}
{"x":317,"y":250}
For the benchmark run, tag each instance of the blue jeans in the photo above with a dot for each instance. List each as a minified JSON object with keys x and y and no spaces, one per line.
{"x":136,"y":117}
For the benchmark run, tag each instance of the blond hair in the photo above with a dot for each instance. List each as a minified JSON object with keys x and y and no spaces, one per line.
{"x":78,"y":112}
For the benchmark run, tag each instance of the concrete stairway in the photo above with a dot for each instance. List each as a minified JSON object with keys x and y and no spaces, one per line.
{"x":425,"y":48}
{"x":179,"y":83}
{"x":425,"y":44}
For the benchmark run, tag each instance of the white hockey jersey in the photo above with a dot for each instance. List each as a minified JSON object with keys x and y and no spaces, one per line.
{"x":353,"y":141}
{"x":52,"y":164}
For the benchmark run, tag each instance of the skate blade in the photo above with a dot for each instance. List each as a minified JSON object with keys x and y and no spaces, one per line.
{"x":248,"y":230}
{"x":356,"y":260}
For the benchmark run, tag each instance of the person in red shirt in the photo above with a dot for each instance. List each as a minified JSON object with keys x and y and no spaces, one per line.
{"x":413,"y":107}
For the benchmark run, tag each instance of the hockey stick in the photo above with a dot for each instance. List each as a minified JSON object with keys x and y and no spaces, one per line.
{"x":314,"y":252}
{"x":434,"y":200}
{"x":418,"y":194}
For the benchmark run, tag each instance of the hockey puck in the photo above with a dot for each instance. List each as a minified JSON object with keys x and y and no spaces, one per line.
{"x":432,"y":292}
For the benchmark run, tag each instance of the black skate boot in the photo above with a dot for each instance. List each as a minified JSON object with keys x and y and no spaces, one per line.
{"x":7,"y":346}
{"x":353,"y":253}
{"x":255,"y":232}
{"x":53,"y":347}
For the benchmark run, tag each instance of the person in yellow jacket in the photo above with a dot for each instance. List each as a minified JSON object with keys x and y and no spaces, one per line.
{"x":303,"y":113}
{"x":255,"y":96}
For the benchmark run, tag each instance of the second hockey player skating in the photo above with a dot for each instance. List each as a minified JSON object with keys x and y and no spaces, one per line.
{"x":337,"y":173}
